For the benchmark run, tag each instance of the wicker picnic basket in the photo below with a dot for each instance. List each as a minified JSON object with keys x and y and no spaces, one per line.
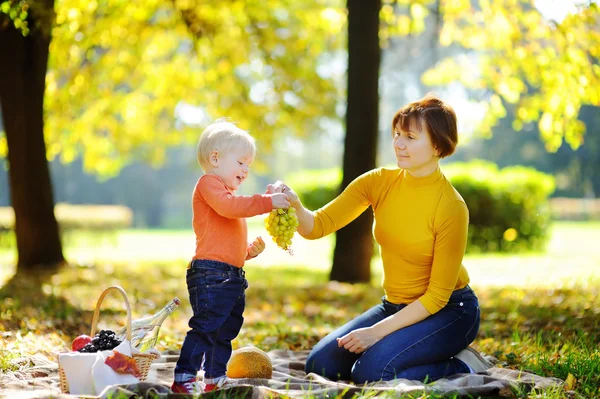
{"x":143,"y":360}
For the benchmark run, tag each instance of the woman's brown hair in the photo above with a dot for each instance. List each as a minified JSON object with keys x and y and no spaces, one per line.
{"x":434,"y":116}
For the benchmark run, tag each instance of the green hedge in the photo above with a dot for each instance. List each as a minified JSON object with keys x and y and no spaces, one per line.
{"x":316,"y":187}
{"x":508,"y":208}
{"x":73,"y":218}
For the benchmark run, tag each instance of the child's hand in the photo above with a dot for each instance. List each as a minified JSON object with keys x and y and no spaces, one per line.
{"x":257,"y":246}
{"x":280,"y":200}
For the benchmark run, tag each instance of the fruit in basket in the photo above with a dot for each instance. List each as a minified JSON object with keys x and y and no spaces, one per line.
{"x":80,"y":342}
{"x":249,"y":362}
{"x":103,"y":340}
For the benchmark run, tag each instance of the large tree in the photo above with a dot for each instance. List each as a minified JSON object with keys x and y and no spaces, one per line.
{"x":23,"y":65}
{"x":354,"y":243}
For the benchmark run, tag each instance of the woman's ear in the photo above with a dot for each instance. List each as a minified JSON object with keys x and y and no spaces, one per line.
{"x":436,"y":151}
{"x":214,"y":158}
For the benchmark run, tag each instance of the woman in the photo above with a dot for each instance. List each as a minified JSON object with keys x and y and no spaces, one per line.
{"x":429,"y":315}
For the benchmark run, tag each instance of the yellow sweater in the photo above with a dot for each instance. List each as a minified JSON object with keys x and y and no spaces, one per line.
{"x":421,"y":226}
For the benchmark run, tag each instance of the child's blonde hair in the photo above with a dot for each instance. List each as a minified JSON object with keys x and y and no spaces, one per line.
{"x":223,"y":136}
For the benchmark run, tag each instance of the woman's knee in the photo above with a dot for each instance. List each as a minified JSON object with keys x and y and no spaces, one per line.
{"x":330,"y":362}
{"x":376,"y":368}
{"x":312,"y":358}
{"x":364,"y":371}
{"x":319,"y":361}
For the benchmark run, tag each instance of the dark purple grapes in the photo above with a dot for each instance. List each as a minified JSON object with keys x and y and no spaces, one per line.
{"x":102,"y":341}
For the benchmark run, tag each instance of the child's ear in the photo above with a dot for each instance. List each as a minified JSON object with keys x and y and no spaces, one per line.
{"x":214,"y":158}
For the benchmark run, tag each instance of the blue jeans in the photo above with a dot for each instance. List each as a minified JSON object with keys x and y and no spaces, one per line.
{"x":217,"y":296}
{"x":423,"y":351}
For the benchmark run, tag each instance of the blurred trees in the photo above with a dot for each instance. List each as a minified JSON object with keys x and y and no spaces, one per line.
{"x":577,"y":171}
{"x":122,"y":74}
{"x":547,"y":69}
{"x":117,"y":72}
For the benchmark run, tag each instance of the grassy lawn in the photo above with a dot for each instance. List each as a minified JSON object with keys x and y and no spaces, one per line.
{"x":540,"y":312}
{"x":572,"y":252}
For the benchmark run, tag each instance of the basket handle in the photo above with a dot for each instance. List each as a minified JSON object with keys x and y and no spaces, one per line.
{"x":97,"y":310}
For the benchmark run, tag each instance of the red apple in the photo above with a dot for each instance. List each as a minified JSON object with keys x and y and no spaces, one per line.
{"x":80,"y":342}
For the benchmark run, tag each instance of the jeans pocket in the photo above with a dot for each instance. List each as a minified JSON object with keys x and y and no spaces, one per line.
{"x":456,"y":302}
{"x":474,"y":329}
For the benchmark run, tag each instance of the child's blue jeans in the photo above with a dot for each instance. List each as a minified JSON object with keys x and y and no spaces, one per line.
{"x":422,"y":351}
{"x":217,"y":296}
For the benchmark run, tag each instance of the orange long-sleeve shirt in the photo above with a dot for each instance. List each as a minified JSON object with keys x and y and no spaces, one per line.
{"x":421,"y":226}
{"x":219,"y":220}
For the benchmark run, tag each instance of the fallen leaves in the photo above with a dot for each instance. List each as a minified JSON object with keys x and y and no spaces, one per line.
{"x":570,"y":382}
{"x":551,"y":332}
{"x":123,"y":364}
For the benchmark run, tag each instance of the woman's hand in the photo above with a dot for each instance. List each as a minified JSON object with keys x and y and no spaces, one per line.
{"x":280,"y":187}
{"x":359,"y":340}
{"x":256,"y":247}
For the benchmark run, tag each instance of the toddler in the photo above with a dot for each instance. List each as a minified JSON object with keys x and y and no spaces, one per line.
{"x":215,"y":276}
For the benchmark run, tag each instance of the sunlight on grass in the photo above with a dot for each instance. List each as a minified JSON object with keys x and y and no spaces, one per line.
{"x":572,"y":251}
{"x":137,"y":246}
{"x":572,"y":256}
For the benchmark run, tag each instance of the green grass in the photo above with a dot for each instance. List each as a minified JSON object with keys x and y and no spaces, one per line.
{"x":6,"y":358}
{"x":540,"y":312}
{"x":139,"y":245}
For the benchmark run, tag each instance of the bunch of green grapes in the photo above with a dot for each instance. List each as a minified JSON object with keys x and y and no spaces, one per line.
{"x":281,"y":225}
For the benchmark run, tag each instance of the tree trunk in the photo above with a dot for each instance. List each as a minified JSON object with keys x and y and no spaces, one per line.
{"x":23,"y":64}
{"x":354,"y":243}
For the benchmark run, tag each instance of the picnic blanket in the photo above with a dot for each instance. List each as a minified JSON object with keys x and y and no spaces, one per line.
{"x":38,"y":378}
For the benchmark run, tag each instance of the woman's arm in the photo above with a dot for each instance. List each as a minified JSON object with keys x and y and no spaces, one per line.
{"x":306,"y":219}
{"x":359,"y":340}
{"x":411,"y":314}
{"x":340,"y":211}
{"x":452,"y":224}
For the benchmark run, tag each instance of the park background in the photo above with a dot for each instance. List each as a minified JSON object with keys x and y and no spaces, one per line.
{"x":130,"y":86}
